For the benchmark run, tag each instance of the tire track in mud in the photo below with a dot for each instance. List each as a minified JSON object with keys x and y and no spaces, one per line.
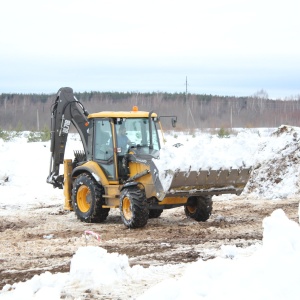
{"x":45,"y":239}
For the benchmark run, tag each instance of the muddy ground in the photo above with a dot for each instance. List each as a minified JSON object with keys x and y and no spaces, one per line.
{"x":45,"y":238}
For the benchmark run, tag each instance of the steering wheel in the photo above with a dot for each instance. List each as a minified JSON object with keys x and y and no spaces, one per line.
{"x":132,"y":145}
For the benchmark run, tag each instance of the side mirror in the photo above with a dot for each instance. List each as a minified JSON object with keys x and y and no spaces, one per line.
{"x":174,"y":121}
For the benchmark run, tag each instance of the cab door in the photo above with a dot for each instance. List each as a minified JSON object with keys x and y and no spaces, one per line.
{"x":103,"y":147}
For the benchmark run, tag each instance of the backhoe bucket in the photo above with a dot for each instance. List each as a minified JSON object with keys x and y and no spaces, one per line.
{"x":203,"y":182}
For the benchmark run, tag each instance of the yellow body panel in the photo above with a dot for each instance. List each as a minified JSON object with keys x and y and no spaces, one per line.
{"x":112,"y":188}
{"x":173,"y":200}
{"x":67,"y":184}
{"x":146,"y":180}
{"x":96,"y":171}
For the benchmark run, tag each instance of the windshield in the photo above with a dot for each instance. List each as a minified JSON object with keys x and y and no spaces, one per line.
{"x":136,"y":132}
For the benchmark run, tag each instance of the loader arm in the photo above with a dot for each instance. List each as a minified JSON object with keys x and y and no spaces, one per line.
{"x":66,"y":110}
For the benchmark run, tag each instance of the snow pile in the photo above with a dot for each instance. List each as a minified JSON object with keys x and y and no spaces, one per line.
{"x":91,"y":266}
{"x":274,"y":159}
{"x":276,"y":169}
{"x":91,"y":269}
{"x":272,"y":272}
{"x":204,"y":152}
{"x":24,"y":169}
{"x":41,"y":287}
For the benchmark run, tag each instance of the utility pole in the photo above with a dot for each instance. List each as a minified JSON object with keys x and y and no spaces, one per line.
{"x":186,"y":86}
{"x":188,"y":109}
{"x":37,"y":120}
{"x":231,"y":116}
{"x":187,"y":104}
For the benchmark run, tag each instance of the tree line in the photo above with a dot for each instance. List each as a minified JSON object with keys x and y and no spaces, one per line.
{"x":33,"y":111}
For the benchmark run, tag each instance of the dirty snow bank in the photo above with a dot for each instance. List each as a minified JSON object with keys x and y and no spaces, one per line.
{"x":274,"y":158}
{"x":272,"y":272}
{"x":276,"y":165}
{"x":92,"y":269}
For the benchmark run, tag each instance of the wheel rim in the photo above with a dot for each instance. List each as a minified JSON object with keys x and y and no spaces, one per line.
{"x":126,"y":208}
{"x":84,"y":198}
{"x":191,"y":209}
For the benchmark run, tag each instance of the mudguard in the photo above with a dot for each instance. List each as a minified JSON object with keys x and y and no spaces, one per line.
{"x":95,"y":171}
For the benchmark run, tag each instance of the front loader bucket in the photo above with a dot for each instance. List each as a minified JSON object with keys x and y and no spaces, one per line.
{"x":203,"y":182}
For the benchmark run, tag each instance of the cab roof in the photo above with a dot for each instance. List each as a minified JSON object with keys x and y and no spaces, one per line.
{"x":121,"y":114}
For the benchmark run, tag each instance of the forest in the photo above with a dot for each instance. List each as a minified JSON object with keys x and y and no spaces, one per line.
{"x":33,"y":111}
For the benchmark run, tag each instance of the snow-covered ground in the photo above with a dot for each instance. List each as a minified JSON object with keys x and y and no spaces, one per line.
{"x":267,"y":271}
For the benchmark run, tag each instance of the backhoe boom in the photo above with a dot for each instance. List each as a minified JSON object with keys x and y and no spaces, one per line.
{"x":66,"y":110}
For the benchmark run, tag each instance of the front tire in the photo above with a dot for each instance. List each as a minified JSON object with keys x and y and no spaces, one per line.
{"x":134,"y":207}
{"x":87,"y":200}
{"x":199,"y":208}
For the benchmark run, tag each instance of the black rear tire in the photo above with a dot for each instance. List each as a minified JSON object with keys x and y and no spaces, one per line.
{"x":134,"y":207}
{"x":199,"y":208}
{"x":87,"y":200}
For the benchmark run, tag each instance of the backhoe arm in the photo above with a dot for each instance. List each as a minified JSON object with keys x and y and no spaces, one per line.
{"x":65,"y":110}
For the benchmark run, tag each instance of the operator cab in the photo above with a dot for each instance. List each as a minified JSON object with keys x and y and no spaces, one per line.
{"x":115,"y":139}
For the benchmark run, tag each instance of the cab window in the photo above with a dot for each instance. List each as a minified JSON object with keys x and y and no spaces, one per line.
{"x":103,"y":147}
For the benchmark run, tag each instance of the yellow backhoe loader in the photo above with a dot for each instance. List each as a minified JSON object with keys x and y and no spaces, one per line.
{"x":116,"y":168}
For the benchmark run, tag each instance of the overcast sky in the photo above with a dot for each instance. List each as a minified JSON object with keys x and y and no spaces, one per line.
{"x":223,"y":47}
